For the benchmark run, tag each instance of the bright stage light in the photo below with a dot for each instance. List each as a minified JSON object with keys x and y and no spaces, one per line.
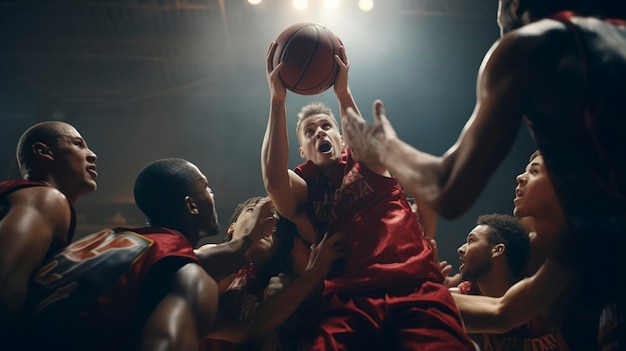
{"x":300,"y":4}
{"x":331,"y":4}
{"x":255,"y":2}
{"x":366,"y":5}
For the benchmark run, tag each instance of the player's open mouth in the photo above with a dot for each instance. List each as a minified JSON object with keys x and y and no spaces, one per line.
{"x":324,"y":147}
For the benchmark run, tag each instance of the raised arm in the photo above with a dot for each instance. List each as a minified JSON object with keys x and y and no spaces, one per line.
{"x":35,"y":219}
{"x":341,"y":88}
{"x":451,"y":183}
{"x":346,"y":102}
{"x":287,"y":190}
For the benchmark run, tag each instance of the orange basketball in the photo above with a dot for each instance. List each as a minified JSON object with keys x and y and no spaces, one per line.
{"x":308,"y":51}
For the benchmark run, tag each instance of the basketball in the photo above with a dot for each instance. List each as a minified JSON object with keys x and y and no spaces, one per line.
{"x":308,"y":51}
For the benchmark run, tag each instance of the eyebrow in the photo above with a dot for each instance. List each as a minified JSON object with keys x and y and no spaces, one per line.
{"x":306,"y":126}
{"x":534,"y":164}
{"x":74,"y":137}
{"x":316,"y":120}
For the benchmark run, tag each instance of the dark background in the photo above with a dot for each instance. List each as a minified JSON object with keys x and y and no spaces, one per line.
{"x":143,"y":80}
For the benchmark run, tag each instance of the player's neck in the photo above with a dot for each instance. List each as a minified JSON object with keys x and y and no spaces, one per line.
{"x":496,"y":282}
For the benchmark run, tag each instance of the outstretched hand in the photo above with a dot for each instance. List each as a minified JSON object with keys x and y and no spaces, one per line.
{"x":368,"y":141}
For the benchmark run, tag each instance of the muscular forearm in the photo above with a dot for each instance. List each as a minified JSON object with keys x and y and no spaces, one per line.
{"x":275,"y":148}
{"x":270,"y":313}
{"x":522,"y":302}
{"x":276,"y":309}
{"x":418,"y":172}
{"x":346,"y":100}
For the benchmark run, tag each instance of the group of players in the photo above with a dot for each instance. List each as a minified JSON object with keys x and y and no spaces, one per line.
{"x":346,"y":257}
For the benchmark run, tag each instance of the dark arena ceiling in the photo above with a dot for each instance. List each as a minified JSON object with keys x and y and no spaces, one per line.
{"x":149,"y":79}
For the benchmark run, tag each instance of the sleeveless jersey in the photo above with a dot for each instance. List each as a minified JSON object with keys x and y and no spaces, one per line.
{"x":387,"y":244}
{"x":86,"y":295}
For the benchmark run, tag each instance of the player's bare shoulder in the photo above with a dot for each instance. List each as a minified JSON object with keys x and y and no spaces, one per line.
{"x":43,"y":198}
{"x":50,"y":204}
{"x":37,"y":197}
{"x":524,"y":62}
{"x":554,"y":67}
{"x":545,"y":43}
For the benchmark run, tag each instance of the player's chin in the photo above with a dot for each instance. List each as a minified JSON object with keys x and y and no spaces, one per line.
{"x":326,"y":161}
{"x":519,"y":212}
{"x":90,"y":186}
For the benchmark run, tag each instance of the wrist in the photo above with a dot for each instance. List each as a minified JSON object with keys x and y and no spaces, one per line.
{"x":390,"y":145}
{"x":278,"y":99}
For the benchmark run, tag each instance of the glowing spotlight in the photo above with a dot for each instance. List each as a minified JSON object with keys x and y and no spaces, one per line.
{"x":255,"y":2}
{"x":331,"y":4}
{"x":366,"y":5}
{"x":300,"y":4}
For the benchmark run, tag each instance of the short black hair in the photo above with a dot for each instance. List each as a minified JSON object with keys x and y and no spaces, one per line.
{"x":508,"y":230}
{"x":161,"y":187}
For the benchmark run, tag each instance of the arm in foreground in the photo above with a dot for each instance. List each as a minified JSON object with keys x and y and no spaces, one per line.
{"x":450,"y":184}
{"x":521,"y":303}
{"x":184,"y":315}
{"x":273,"y":311}
{"x":287,"y":190}
{"x":221,"y":260}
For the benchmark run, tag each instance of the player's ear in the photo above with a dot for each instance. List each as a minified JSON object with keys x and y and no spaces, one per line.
{"x":498,"y":250}
{"x":301,"y":152}
{"x":190,"y":205}
{"x":42,"y":150}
